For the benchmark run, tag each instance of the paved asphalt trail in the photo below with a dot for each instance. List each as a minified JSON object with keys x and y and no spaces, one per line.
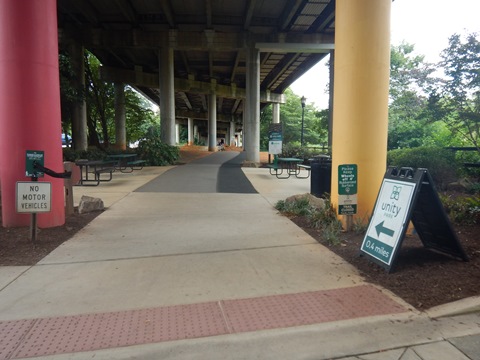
{"x":218,"y":173}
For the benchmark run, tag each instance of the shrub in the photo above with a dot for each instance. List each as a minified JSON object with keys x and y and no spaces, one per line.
{"x":294,"y":149}
{"x":324,"y":219}
{"x":299,"y":207}
{"x":155,"y":152}
{"x":440,"y":162}
{"x":360,"y":225}
{"x":473,"y":188}
{"x":91,"y":154}
{"x":462,"y":210}
{"x":469,"y":157}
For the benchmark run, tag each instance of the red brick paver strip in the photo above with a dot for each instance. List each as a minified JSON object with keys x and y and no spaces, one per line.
{"x":70,"y":334}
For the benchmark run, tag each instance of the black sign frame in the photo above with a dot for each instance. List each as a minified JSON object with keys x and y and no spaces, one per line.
{"x":427,"y":214}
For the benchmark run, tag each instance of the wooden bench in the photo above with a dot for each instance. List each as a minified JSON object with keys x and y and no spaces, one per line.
{"x":305,"y":167}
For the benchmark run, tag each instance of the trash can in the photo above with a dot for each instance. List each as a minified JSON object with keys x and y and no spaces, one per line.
{"x":321,"y":176}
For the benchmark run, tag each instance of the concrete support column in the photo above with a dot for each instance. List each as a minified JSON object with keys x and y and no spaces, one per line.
{"x":212,"y":122}
{"x":167,"y":95}
{"x":30,"y":116}
{"x":120,"y":125}
{"x":79,"y":111}
{"x":232,"y":134}
{"x":360,"y":116}
{"x":330,"y":96}
{"x":252,"y":106}
{"x":177,"y":133}
{"x":190,"y":132}
{"x":276,"y":113}
{"x":195,"y":133}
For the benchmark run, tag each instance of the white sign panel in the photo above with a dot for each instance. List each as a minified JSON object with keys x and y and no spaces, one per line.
{"x":275,"y":147}
{"x":389,"y":218}
{"x":33,"y":196}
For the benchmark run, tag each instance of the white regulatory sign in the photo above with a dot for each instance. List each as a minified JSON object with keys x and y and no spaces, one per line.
{"x":388,"y":220}
{"x":33,"y":196}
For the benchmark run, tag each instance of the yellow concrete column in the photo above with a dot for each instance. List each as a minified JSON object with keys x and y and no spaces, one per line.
{"x":360,"y":110}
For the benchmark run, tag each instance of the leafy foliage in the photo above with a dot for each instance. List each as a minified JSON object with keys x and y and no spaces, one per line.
{"x":70,"y":94}
{"x":139,"y":116}
{"x":299,"y":207}
{"x":294,"y":149}
{"x":315,"y":124}
{"x":99,"y":97}
{"x":459,"y":99}
{"x":324,"y":219}
{"x":156,"y":152}
{"x":462,"y":210}
{"x":100,"y":103}
{"x":411,"y":78}
{"x":72,"y":155}
{"x":440,"y":162}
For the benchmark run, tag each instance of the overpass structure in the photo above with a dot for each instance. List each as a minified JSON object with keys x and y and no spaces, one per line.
{"x":199,"y":60}
{"x":214,"y":60}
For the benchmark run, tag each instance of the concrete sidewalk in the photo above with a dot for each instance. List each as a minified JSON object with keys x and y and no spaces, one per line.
{"x":203,"y":263}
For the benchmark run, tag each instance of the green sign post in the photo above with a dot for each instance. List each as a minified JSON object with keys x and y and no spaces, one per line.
{"x":32,"y":157}
{"x":347,"y":189}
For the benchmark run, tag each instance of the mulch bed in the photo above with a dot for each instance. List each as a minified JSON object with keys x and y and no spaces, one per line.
{"x":422,"y":277}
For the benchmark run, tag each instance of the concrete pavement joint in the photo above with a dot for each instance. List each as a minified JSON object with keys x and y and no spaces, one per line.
{"x":178,"y":254}
{"x":16,"y":278}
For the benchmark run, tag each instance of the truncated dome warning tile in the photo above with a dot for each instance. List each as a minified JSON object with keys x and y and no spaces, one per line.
{"x":70,"y":334}
{"x":101,"y":331}
{"x":11,"y":335}
{"x":279,"y":311}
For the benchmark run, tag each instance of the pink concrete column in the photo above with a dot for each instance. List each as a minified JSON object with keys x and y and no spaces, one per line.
{"x":29,"y":102}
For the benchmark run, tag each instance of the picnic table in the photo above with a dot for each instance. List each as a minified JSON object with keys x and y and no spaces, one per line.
{"x":95,"y":168}
{"x":126,"y":162}
{"x":291,"y":166}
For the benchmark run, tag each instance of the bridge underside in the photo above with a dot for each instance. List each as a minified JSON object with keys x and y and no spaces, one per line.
{"x":215,"y":59}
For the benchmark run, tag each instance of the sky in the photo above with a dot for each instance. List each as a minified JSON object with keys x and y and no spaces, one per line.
{"x":425,"y":23}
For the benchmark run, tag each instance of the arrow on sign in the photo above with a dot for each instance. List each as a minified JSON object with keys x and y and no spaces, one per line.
{"x":382,"y":229}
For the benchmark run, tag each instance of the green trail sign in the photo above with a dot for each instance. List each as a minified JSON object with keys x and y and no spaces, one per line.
{"x":275,"y":139}
{"x":347,"y":189}
{"x":33,"y":156}
{"x":408,"y":195}
{"x":389,"y":218}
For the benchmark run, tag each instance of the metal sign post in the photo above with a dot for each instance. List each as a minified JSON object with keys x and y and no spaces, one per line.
{"x":347,"y":192}
{"x":34,"y":197}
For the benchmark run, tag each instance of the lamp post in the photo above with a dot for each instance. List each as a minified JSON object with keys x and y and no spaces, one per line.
{"x":303,"y":100}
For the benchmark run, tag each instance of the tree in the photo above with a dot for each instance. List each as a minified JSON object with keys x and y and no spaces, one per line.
{"x":139,"y":116}
{"x":315,"y":127}
{"x":410,"y":81}
{"x":99,"y":97}
{"x":69,"y":93}
{"x":100,"y":103}
{"x":459,"y":99}
{"x":409,"y":72}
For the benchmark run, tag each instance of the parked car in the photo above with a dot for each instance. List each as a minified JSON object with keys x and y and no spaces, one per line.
{"x":66,"y":140}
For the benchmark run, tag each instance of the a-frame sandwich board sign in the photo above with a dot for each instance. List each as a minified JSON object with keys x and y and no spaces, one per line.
{"x":408,"y":195}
